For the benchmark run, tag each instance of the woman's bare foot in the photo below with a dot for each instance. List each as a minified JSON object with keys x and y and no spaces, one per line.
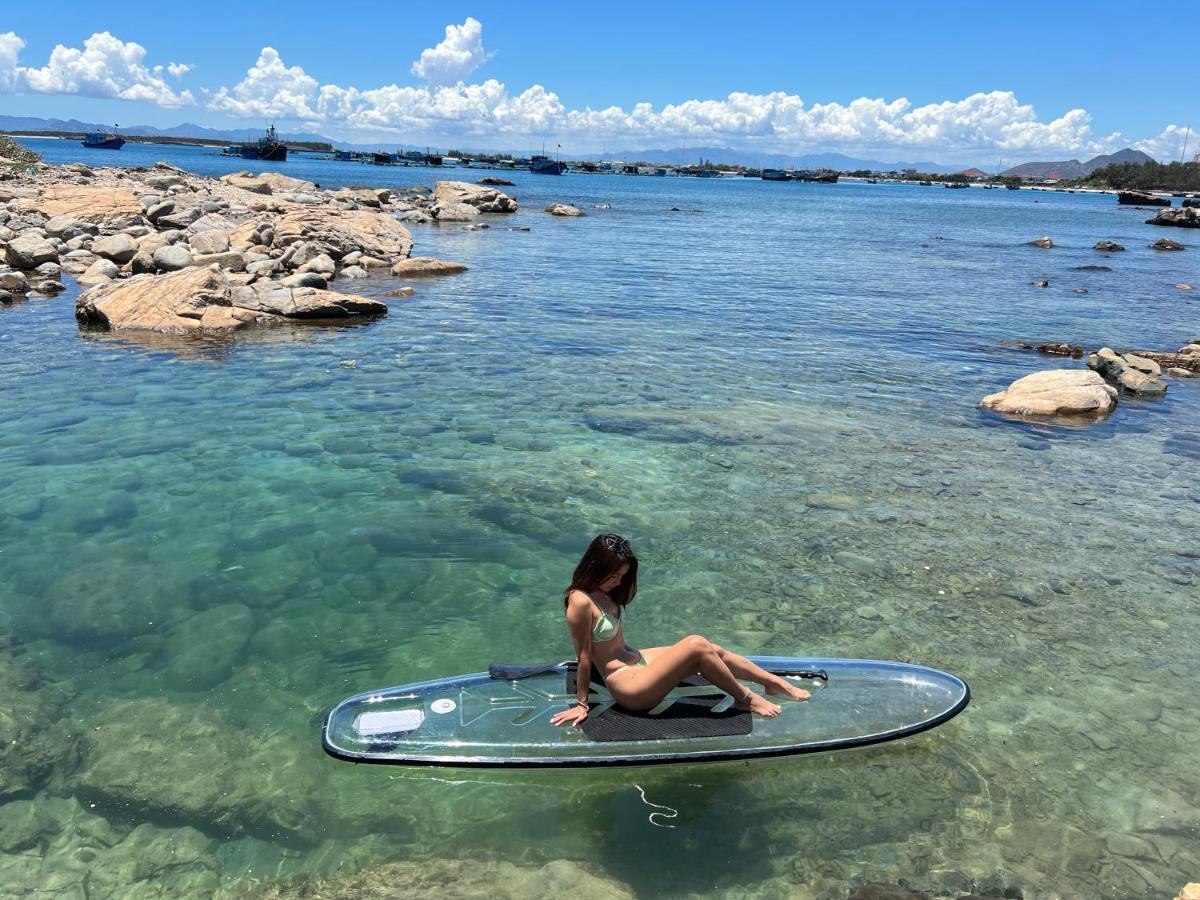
{"x":758,"y":705}
{"x":783,"y":686}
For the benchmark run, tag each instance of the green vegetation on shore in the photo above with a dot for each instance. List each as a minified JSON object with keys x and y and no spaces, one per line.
{"x":14,"y":155}
{"x":1151,"y":176}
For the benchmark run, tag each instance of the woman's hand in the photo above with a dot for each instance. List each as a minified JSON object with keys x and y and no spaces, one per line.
{"x":572,"y":716}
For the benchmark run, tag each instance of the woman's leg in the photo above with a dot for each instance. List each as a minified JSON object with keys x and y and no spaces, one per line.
{"x":642,"y":688}
{"x":743,"y":668}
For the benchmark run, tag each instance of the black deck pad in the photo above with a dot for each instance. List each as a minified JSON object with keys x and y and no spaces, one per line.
{"x":687,"y":717}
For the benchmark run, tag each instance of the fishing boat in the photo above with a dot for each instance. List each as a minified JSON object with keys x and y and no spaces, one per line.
{"x":382,"y":159}
{"x":818,"y":177}
{"x":544,"y":165}
{"x":102,"y":140}
{"x":775,"y":175}
{"x":268,"y":147}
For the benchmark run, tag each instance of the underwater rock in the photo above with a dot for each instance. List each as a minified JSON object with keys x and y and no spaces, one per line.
{"x":56,"y":847}
{"x":877,"y":890}
{"x":1108,"y":247}
{"x":420,"y":879}
{"x":35,"y":742}
{"x":236,"y":777}
{"x":201,"y":651}
{"x":101,"y":602}
{"x":1044,"y":242}
{"x":831,"y":501}
{"x":1055,"y":392}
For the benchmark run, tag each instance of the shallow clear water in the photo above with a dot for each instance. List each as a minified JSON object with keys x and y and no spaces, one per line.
{"x":772,"y":392}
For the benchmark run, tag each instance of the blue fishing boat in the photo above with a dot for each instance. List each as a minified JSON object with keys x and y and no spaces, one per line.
{"x":268,"y":147}
{"x":544,"y":165}
{"x":102,"y":140}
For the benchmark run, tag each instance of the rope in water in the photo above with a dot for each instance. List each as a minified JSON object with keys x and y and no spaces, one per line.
{"x":666,"y":815}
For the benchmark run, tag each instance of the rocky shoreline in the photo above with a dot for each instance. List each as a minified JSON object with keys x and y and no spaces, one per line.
{"x":163,"y":250}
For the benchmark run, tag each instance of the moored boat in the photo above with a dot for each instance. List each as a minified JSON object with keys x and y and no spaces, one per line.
{"x":268,"y":147}
{"x":102,"y":140}
{"x":544,"y":165}
{"x":775,"y":175}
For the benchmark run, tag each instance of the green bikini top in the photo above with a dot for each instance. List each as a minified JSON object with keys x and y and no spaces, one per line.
{"x":606,"y":627}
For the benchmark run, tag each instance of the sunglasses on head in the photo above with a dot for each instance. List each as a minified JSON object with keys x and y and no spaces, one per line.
{"x":617,"y":544}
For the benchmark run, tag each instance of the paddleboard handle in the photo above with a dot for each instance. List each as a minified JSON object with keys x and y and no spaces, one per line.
{"x":513,"y":672}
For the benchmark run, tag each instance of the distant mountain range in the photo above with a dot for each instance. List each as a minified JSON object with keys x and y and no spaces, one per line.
{"x":1073,"y":168}
{"x":674,"y":156}
{"x":183,"y":131}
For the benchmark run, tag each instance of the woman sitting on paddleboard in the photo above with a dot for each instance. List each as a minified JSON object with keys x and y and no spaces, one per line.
{"x":604,"y":584}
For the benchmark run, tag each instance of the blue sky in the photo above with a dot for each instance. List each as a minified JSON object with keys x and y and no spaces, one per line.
{"x":956,"y":80}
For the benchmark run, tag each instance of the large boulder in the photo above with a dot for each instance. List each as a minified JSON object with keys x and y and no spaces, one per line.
{"x":1140,"y":198}
{"x":120,"y":248}
{"x":171,"y":304}
{"x":101,"y":205}
{"x":564,"y":209}
{"x":1137,"y":375}
{"x":266,"y":183}
{"x":483,"y":198}
{"x":202,"y":299}
{"x":449,"y":211}
{"x":343,"y":231}
{"x":303,"y":302}
{"x":1108,"y":247}
{"x":419,"y":266}
{"x":172,"y":257}
{"x":210,"y":241}
{"x":67,"y":227}
{"x":1055,"y":392}
{"x":29,"y":250}
{"x":1180,"y":218}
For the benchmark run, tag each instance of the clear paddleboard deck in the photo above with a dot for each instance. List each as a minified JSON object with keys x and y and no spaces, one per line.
{"x":503,"y":719}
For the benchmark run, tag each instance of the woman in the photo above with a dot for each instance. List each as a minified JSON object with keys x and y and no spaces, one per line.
{"x":604,"y":584}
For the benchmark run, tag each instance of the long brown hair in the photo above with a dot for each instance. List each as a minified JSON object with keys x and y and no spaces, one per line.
{"x":604,"y":556}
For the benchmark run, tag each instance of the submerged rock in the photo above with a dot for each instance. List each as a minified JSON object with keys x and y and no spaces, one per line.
{"x":1108,"y":247}
{"x":426,"y":265}
{"x":34,"y":739}
{"x":1044,"y":242}
{"x":1055,"y":392}
{"x":440,"y":877}
{"x":1166,"y":244}
{"x":564,"y":209}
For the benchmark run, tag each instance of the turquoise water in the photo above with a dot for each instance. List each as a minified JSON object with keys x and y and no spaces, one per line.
{"x":771,"y":391}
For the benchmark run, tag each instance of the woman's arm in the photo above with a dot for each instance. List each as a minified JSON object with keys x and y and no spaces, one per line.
{"x":579,"y":623}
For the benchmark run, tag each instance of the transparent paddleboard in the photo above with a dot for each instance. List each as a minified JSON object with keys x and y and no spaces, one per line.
{"x":479,"y":720}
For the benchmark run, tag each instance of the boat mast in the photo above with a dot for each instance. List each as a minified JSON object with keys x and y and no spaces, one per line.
{"x":1186,"y":135}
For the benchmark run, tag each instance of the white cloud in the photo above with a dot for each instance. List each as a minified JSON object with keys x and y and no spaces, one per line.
{"x":456,"y":57}
{"x":178,"y":70}
{"x":1174,"y":142}
{"x":10,"y":49}
{"x":269,"y":90}
{"x":106,"y":67}
{"x":448,"y":108}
